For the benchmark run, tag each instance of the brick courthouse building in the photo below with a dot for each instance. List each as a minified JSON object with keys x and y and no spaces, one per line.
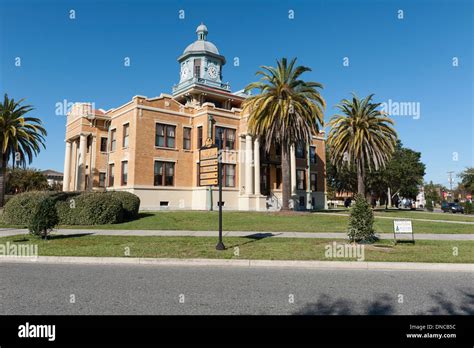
{"x":149,"y":146}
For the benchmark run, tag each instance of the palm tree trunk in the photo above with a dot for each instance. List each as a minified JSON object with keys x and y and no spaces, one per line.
{"x":285,"y":176}
{"x":3,"y":167}
{"x":360,"y":179}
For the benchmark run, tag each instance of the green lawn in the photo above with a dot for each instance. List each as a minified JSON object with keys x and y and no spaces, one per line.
{"x":249,"y":248}
{"x":395,"y":213}
{"x":272,"y":222}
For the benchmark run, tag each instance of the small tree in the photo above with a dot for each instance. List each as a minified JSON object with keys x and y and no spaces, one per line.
{"x":361,"y":221}
{"x":468,"y":208}
{"x":45,"y":217}
{"x":429,"y":204}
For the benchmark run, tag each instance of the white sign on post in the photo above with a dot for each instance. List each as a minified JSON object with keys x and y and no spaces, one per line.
{"x":403,"y":227}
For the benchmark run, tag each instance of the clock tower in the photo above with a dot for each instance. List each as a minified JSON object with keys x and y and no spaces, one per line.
{"x":200,"y":65}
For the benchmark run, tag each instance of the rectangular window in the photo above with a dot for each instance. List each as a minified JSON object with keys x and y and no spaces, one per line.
{"x":199,"y":137}
{"x":312,"y":155}
{"x":103,"y":144}
{"x":187,"y":138}
{"x":300,"y":180}
{"x":113,"y":139}
{"x":165,"y":135}
{"x":124,"y":173}
{"x":314,"y":183}
{"x":197,"y":67}
{"x":126,"y":128}
{"x":89,"y":143}
{"x":278,"y":150}
{"x":301,"y":201}
{"x":278,"y":177}
{"x":300,"y":152}
{"x":111,"y":174}
{"x":198,"y":176}
{"x":101,"y":179}
{"x":163,"y":173}
{"x":225,"y":138}
{"x":228,"y":175}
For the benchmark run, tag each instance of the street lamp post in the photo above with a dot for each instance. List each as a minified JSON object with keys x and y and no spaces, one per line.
{"x":220,"y":244}
{"x":210,"y":121}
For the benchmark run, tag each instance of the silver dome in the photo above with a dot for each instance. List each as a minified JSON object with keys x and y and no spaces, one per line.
{"x":201,"y":45}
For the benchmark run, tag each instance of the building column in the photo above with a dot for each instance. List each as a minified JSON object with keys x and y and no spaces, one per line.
{"x":67,"y":166}
{"x":309,"y":194}
{"x":248,"y":165}
{"x":256,"y":160}
{"x":241,"y":162}
{"x":81,"y":162}
{"x":293,"y":169}
{"x":92,"y":163}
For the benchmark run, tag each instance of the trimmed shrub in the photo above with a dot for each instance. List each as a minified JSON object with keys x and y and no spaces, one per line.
{"x":361,"y":221}
{"x":74,"y":208}
{"x":130,"y":203}
{"x":44,"y":218}
{"x":429,"y":204}
{"x":20,"y":208}
{"x":468,"y":207}
{"x":66,"y":213}
{"x":94,"y":208}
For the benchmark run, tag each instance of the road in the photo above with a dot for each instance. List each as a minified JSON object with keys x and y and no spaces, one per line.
{"x":27,"y":289}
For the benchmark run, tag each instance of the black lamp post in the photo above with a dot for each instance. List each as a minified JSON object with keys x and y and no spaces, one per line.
{"x":220,"y":244}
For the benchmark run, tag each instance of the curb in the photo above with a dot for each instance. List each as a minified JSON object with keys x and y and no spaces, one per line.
{"x":414,"y":266}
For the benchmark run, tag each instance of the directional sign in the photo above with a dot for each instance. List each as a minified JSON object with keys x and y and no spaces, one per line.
{"x":208,"y":166}
{"x":208,"y":169}
{"x":208,"y":175}
{"x":211,"y":162}
{"x":209,"y":153}
{"x":208,"y":182}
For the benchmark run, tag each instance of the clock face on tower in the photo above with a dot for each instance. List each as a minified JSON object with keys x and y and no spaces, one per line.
{"x":212,"y":72}
{"x":184,"y":72}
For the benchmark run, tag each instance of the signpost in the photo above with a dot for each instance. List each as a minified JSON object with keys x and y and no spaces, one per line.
{"x":210,"y":174}
{"x":403,"y":227}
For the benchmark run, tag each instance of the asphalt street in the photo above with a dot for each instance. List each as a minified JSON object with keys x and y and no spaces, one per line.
{"x":27,"y":289}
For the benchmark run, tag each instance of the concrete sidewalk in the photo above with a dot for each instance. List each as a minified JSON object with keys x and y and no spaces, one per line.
{"x":361,"y":265}
{"x":250,"y":234}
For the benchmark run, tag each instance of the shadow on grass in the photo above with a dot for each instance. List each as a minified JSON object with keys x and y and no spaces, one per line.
{"x":141,"y":215}
{"x":325,"y":305}
{"x":339,"y":210}
{"x":253,"y":238}
{"x":29,"y":238}
{"x":64,"y":236}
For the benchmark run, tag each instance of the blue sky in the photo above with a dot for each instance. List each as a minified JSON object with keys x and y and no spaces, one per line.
{"x":403,"y":60}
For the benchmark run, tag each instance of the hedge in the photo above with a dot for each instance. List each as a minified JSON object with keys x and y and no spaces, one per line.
{"x":75,"y":208}
{"x":19,"y":209}
{"x":130,"y":203}
{"x":94,"y":208}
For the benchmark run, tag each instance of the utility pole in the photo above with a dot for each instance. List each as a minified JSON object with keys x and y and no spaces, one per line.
{"x":450,"y":180}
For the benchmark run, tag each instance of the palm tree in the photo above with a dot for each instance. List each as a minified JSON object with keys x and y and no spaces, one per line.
{"x":362,"y":137}
{"x":18,"y":134}
{"x":287,"y":111}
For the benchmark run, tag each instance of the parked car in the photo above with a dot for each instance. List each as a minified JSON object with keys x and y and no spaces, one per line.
{"x":452,"y":208}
